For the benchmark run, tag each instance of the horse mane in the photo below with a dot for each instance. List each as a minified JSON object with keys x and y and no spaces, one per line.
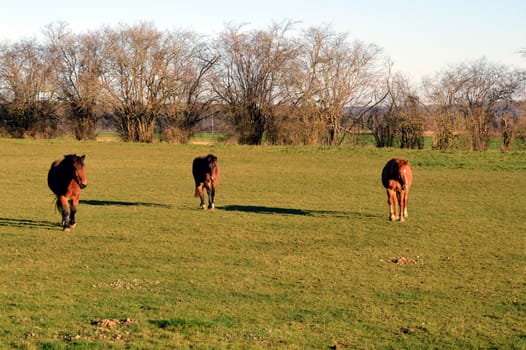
{"x":70,"y":159}
{"x":211,"y":158}
{"x":402,"y":162}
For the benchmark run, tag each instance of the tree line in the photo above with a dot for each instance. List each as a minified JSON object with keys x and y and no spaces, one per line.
{"x":279,"y":85}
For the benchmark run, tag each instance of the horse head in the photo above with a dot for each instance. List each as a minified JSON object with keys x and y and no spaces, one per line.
{"x":79,"y":169}
{"x":212,"y":164}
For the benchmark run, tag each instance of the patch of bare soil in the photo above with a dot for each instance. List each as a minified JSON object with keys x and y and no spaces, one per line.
{"x":108,"y":138}
{"x":110,"y":323}
{"x":201,"y":142}
{"x":404,"y":261}
{"x":413,"y":330}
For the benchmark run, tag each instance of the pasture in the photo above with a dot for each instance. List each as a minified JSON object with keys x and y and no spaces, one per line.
{"x":299,"y":253}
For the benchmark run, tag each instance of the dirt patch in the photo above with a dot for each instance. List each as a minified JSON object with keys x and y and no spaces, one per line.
{"x":413,"y":330}
{"x":108,"y":138}
{"x":110,"y":323}
{"x":404,"y":261}
{"x":199,"y":141}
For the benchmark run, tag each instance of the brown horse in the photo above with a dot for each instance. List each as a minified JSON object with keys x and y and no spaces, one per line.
{"x":397,"y":177}
{"x":206,"y":175}
{"x":66,"y":178}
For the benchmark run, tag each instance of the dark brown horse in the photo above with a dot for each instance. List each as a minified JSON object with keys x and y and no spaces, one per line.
{"x":66,"y":178}
{"x":206,"y":176}
{"x":397,"y":178}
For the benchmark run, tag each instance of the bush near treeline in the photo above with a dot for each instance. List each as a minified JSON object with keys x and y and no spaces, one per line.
{"x":279,"y":85}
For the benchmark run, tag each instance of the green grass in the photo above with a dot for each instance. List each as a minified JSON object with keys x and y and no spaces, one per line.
{"x":298,"y":254}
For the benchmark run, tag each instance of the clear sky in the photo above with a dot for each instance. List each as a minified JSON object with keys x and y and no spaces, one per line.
{"x":420,"y":37}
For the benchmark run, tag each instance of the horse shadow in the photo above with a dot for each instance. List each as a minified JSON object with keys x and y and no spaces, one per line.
{"x":258,"y":209}
{"x":122,"y":203}
{"x":27,"y":223}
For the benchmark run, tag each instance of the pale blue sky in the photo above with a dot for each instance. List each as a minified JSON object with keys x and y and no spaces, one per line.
{"x":420,"y":37}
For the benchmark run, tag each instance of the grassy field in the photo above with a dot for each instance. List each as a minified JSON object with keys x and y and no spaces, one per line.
{"x":299,"y":253}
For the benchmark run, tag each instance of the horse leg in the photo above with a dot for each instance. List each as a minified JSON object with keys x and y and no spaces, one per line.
{"x":72,"y":211}
{"x":403,"y":209}
{"x":211,"y":194}
{"x":199,"y":192}
{"x":63,"y":205}
{"x":399,"y":202}
{"x":391,"y":200}
{"x":396,"y":205}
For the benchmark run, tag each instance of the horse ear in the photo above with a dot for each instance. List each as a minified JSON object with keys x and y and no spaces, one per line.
{"x":82,"y":157}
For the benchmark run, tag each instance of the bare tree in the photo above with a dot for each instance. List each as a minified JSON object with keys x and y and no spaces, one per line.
{"x":191,"y":100}
{"x":466,"y":99}
{"x":135,"y":78}
{"x":400,"y":116}
{"x":27,"y":96}
{"x":250,"y":76}
{"x":78,"y":63}
{"x":338,"y":74}
{"x":445,"y":116}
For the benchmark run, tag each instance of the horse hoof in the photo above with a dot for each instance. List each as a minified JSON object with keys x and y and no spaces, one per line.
{"x":73,"y":225}
{"x":66,"y":229}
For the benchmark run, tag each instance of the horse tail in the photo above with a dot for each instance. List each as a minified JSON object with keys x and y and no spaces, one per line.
{"x":58,"y":205}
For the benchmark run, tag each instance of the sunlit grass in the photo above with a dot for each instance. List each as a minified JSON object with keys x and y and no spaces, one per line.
{"x":298,"y":254}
